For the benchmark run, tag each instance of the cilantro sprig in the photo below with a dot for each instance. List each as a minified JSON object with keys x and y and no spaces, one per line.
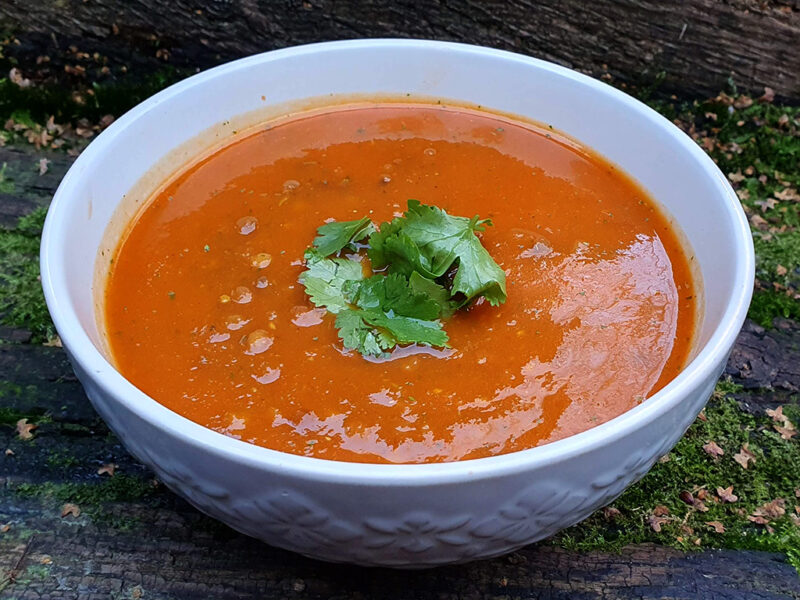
{"x":429,"y":241}
{"x":429,"y":264}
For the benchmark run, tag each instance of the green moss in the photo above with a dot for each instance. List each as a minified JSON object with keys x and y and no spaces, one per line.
{"x":768,"y":304}
{"x":21,"y":299}
{"x":117,"y":98}
{"x":6,"y":183}
{"x":785,"y":539}
{"x":95,"y":499}
{"x":757,"y":145}
{"x":33,"y":573}
{"x":116,"y":521}
{"x":10,"y":416}
{"x":778,"y":258}
{"x":726,"y":387}
{"x":767,"y":141}
{"x":775,"y":474}
{"x":778,"y":268}
{"x":76,"y":428}
{"x":119,"y":488}
{"x":62,"y":460}
{"x":40,"y":102}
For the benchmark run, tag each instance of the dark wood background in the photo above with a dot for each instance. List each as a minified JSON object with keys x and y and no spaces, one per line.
{"x":695,"y":47}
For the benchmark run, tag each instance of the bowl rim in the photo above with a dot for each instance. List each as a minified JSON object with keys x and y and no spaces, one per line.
{"x":84,"y":353}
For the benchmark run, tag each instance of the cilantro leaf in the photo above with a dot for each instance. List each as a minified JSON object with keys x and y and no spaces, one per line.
{"x":386,"y":312}
{"x":373,"y":332}
{"x":435,"y":292}
{"x":325,"y":279}
{"x":429,"y":241}
{"x":374,"y":314}
{"x":334,"y":236}
{"x":380,"y":254}
{"x":434,"y":262}
{"x":408,"y":330}
{"x":392,"y":293}
{"x":358,"y":335}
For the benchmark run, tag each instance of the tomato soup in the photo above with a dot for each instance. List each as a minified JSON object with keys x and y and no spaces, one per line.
{"x":204,"y":312}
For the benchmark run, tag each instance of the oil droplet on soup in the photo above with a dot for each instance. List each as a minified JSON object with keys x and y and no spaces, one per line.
{"x":600,"y":310}
{"x":246,"y":225}
{"x":234,"y":322}
{"x":261,"y":260}
{"x":241,"y":295}
{"x":258,"y":341}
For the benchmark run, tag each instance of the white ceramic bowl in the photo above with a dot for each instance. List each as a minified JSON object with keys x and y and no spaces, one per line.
{"x":396,"y":515}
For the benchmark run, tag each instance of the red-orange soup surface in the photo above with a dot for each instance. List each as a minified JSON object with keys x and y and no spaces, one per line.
{"x":600,"y":311}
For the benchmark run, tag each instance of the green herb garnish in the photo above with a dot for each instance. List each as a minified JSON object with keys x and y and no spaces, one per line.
{"x":430,"y":265}
{"x":325,"y":279}
{"x":338,"y":234}
{"x":429,"y":241}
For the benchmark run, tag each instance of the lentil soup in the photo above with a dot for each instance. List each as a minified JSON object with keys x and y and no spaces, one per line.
{"x":205,"y":314}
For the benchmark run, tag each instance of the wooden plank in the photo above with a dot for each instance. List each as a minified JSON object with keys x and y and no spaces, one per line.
{"x":691,"y":47}
{"x":173,"y":553}
{"x":21,"y":171}
{"x":767,"y":359}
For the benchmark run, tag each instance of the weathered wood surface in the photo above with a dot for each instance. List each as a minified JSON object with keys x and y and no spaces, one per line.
{"x":140,"y":541}
{"x":694,"y":46}
{"x":32,"y":189}
{"x":171,"y":555}
{"x":767,"y":365}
